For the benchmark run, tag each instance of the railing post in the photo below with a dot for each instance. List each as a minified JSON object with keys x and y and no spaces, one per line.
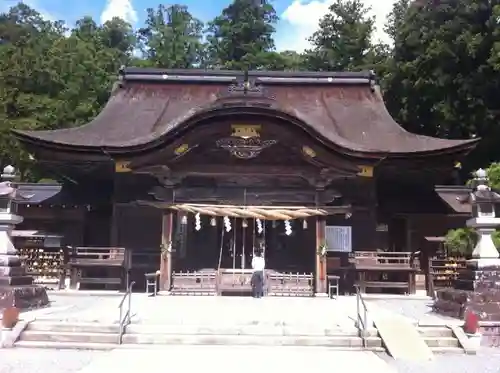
{"x":358,"y":316}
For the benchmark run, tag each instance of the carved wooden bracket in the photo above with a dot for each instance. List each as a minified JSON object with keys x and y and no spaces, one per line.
{"x":325,"y":177}
{"x":163,"y":173}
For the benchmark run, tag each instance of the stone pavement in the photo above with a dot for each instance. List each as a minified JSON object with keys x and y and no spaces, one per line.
{"x":207,"y":311}
{"x":228,"y":359}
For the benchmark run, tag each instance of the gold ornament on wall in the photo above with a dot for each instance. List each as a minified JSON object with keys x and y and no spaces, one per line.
{"x":181,"y":149}
{"x":245,"y":131}
{"x":308,"y":151}
{"x":365,"y":171}
{"x":122,"y":166}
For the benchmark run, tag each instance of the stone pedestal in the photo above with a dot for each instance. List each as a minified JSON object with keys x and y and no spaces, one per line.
{"x":477,"y":290}
{"x":16,"y":287}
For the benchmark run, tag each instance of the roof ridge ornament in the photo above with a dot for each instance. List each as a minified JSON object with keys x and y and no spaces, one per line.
{"x":247,"y":86}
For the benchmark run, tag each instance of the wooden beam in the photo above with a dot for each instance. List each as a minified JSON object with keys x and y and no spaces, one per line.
{"x":247,"y":169}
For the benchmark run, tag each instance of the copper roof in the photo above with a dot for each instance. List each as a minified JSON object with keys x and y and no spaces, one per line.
{"x":345,"y":110}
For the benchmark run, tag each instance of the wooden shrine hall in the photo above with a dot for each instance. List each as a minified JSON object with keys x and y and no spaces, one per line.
{"x":193,"y":170}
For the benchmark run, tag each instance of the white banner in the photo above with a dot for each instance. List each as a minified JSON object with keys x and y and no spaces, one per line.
{"x":339,"y":238}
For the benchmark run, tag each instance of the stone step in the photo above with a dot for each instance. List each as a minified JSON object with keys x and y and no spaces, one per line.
{"x":108,"y":347}
{"x":442,"y":342}
{"x":80,"y":337}
{"x":191,"y":329}
{"x":250,"y":340}
{"x":65,"y":345}
{"x":258,"y":330}
{"x":57,"y":327}
{"x":437,"y":332}
{"x":447,"y":350}
{"x":107,"y":339}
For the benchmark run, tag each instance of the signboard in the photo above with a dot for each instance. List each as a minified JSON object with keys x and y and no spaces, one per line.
{"x":338,"y":238}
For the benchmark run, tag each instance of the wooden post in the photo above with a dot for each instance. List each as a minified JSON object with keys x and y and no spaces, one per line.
{"x":321,"y":275}
{"x":113,"y":239}
{"x":166,"y":254}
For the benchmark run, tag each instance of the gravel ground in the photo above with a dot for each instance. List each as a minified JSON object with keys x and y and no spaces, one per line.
{"x":20,"y":360}
{"x":418,"y":309}
{"x":80,"y":303}
{"x":487,"y":361}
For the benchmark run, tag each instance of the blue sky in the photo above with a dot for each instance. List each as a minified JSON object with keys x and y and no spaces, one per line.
{"x":298,"y":18}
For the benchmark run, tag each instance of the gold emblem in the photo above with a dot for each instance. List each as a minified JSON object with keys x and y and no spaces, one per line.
{"x":181,"y":149}
{"x":308,"y":151}
{"x":122,"y":166}
{"x":365,"y":171}
{"x":245,"y":131}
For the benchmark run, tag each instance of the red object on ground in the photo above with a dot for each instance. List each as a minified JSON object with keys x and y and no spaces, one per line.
{"x":10,"y":317}
{"x":471,"y":324}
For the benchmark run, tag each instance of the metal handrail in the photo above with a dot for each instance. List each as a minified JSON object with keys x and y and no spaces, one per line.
{"x":124,"y":319}
{"x":361,"y":319}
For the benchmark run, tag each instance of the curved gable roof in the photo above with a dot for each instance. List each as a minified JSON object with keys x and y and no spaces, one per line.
{"x":344,"y":109}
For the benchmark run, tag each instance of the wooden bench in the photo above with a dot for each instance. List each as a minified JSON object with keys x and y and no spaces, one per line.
{"x":289,"y":284}
{"x":396,"y":268}
{"x":114,"y":261}
{"x":194,"y":283}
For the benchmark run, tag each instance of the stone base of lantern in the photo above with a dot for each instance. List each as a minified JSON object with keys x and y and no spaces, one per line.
{"x":23,"y":296}
{"x":476,"y":290}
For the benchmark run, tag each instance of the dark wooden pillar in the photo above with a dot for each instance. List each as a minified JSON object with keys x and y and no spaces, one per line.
{"x":321,"y":279}
{"x":166,"y":248}
{"x":113,"y":239}
{"x":409,"y":234}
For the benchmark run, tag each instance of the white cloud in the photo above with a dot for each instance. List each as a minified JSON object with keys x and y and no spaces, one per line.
{"x":304,"y":18}
{"x":119,"y":8}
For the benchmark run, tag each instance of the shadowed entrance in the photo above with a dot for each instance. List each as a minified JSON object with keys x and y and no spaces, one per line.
{"x":214,"y":255}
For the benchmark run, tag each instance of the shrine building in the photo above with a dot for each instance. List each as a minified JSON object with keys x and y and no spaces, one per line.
{"x":192,"y":170}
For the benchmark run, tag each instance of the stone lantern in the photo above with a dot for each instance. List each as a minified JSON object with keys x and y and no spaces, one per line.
{"x":476,"y":291}
{"x":16,"y":286}
{"x":484,"y":220}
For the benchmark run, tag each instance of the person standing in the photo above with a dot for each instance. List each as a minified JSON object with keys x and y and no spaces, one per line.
{"x":258,"y":265}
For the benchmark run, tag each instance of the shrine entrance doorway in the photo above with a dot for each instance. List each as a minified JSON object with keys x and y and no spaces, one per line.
{"x":214,"y":257}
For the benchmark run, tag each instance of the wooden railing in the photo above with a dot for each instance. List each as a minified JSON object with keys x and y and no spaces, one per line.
{"x":194,"y":283}
{"x":290,"y":284}
{"x":384,"y":259}
{"x":212,"y":282}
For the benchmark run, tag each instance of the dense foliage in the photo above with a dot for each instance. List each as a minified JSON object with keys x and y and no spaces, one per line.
{"x":441,"y":75}
{"x":461,"y":242}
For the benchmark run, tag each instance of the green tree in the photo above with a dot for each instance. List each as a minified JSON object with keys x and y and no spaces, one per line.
{"x":171,"y":38}
{"x":343,"y":40}
{"x":396,"y":18}
{"x":27,"y":92}
{"x":444,"y":80}
{"x":283,"y":61}
{"x":49,"y":80}
{"x":242,"y":36}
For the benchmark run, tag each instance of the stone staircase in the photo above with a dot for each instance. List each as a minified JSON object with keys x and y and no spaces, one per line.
{"x":440,"y":339}
{"x":98,"y":336}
